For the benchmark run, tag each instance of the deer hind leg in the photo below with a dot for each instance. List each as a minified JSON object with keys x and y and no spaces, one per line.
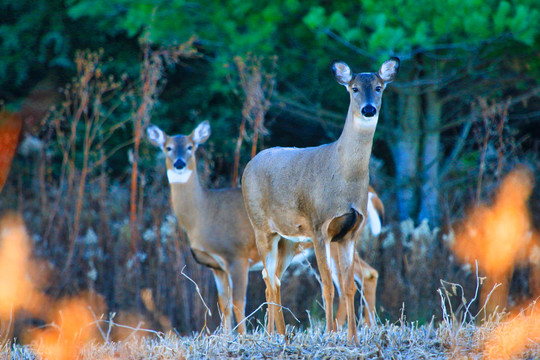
{"x":341,"y":314}
{"x":269,"y":299}
{"x":267,"y":245}
{"x":367,"y":277}
{"x":277,"y":254}
{"x":239,"y":277}
{"x":223,"y":285}
{"x":286,"y":251}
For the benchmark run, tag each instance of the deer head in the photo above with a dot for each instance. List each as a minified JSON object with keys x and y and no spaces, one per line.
{"x":365,"y":89}
{"x":179,"y":150}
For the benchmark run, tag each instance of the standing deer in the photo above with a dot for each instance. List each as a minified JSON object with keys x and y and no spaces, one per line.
{"x":216,"y":223}
{"x":218,"y":228}
{"x":317,"y":194}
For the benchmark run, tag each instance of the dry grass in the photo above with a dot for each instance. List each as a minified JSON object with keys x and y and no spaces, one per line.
{"x":75,"y":330}
{"x":388,"y":341}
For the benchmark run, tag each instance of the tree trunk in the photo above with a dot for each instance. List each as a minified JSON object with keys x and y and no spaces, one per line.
{"x":429,"y":190}
{"x":405,"y":153}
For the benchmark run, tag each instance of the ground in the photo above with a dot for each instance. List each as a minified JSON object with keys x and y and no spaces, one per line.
{"x":448,"y":340}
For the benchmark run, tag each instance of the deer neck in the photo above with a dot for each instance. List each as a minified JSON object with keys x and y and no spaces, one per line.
{"x":353,"y":148}
{"x":187,"y":198}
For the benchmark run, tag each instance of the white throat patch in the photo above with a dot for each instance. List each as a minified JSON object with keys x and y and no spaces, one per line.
{"x":365,"y":122}
{"x":178,"y":177}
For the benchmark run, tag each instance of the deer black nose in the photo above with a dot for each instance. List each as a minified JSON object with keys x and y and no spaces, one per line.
{"x":369,"y":111}
{"x":179,"y":164}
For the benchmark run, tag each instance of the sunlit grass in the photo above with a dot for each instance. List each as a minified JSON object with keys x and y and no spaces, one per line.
{"x":400,"y":340}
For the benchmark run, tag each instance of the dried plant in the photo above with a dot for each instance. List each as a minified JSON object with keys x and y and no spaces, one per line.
{"x":495,"y":141}
{"x":89,"y":108}
{"x":258,"y":86}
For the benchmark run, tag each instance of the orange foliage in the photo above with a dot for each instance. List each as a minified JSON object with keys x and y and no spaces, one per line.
{"x":498,"y":236}
{"x":72,"y":324}
{"x":17,"y":290}
{"x":512,"y":337}
{"x":501,"y":237}
{"x":71,"y":320}
{"x":10,"y":128}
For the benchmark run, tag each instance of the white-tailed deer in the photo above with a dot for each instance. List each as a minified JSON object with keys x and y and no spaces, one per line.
{"x":217,"y":225}
{"x":317,"y":194}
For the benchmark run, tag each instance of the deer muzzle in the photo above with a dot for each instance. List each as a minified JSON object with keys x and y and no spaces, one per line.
{"x":369,"y":111}
{"x":179,"y":164}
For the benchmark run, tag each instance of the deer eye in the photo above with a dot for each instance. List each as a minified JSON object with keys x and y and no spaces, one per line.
{"x":168,"y":148}
{"x":378,"y":89}
{"x":355,"y":89}
{"x":190,"y":147}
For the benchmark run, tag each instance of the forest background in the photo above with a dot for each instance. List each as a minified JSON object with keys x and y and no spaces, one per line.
{"x":85,"y":78}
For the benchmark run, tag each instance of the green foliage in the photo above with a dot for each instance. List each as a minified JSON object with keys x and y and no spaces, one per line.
{"x":495,"y":36}
{"x":400,"y":26}
{"x":32,"y":37}
{"x":225,"y":30}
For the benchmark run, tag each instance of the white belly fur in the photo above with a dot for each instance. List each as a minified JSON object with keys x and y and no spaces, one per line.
{"x":296,"y":239}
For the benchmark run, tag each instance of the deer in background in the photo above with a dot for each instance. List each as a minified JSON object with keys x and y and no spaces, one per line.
{"x":318,"y":195}
{"x":218,"y":228}
{"x":215,"y":220}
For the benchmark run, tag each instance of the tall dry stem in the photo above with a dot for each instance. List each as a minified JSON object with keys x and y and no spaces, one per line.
{"x":493,"y":134}
{"x":84,"y":121}
{"x":258,"y":86}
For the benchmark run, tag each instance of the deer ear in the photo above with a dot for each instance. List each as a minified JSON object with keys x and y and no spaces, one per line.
{"x":342,"y":72}
{"x":389,"y":69}
{"x":201,"y":133}
{"x":156,"y":136}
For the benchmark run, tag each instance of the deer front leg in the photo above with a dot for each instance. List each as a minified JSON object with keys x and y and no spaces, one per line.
{"x":224,"y":298}
{"x":368,"y":277}
{"x":322,"y":254}
{"x":239,"y":277}
{"x":338,"y":282}
{"x":346,"y":250}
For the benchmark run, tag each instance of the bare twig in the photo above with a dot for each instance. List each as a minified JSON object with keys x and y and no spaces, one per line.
{"x":198,"y":291}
